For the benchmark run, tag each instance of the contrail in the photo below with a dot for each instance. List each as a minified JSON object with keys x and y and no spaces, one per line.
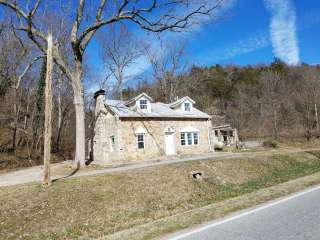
{"x":283,"y":30}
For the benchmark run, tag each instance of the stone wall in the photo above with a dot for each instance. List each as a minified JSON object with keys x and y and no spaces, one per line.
{"x":106,"y":127}
{"x":155,"y":137}
{"x":125,"y":146}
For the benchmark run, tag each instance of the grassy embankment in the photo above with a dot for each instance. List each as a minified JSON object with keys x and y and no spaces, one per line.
{"x":95,"y":206}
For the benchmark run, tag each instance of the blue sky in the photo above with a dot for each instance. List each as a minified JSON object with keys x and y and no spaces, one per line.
{"x":247,"y":32}
{"x":242,"y":36}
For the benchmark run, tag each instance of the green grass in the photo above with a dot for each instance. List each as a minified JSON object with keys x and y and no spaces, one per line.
{"x":292,"y":170}
{"x":94,"y":206}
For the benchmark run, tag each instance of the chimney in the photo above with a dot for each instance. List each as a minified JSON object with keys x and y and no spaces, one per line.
{"x":99,"y":100}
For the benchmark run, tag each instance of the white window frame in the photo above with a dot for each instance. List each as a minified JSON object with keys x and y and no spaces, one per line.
{"x":187,"y":109}
{"x":188,"y":138}
{"x":143,"y":104}
{"x":141,"y":141}
{"x":193,"y":136}
{"x":183,"y":139}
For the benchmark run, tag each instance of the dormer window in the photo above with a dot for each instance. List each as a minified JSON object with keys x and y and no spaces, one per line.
{"x":143,"y":104}
{"x":184,"y":105}
{"x":187,"y":107}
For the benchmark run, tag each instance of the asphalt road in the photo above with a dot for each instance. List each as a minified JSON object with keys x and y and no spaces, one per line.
{"x":296,"y":217}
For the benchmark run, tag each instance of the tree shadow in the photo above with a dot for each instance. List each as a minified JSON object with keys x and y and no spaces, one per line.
{"x":69,"y":175}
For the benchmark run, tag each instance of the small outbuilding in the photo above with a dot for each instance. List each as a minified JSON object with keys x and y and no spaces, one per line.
{"x":226,"y":134}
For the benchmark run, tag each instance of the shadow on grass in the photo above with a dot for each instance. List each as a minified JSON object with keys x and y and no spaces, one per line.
{"x":69,"y":175}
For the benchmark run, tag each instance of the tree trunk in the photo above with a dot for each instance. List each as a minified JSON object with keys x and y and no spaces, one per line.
{"x":316,"y":116}
{"x":80,"y":117}
{"x":48,"y":116}
{"x":80,"y":131}
{"x":59,"y":103}
{"x":59,"y":116}
{"x":15,"y":121}
{"x":275,"y":124}
{"x":14,"y":136}
{"x":58,"y":139}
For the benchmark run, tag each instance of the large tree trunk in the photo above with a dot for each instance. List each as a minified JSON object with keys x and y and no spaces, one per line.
{"x":80,"y":117}
{"x":80,"y":131}
{"x":48,"y":117}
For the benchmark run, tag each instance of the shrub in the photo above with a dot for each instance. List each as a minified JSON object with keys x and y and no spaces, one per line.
{"x":270,"y":143}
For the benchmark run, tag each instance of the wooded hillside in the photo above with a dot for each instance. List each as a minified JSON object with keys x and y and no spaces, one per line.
{"x":273,"y":100}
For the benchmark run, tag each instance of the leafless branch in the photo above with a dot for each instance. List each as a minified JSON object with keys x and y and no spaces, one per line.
{"x":26,"y":70}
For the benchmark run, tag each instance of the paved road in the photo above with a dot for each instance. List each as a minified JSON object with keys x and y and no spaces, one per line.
{"x":294,"y":218}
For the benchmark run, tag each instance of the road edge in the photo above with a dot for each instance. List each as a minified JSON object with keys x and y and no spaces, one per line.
{"x":162,"y":228}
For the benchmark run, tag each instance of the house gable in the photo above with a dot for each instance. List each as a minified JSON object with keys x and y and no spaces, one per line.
{"x":184,"y":105}
{"x":141,"y":103}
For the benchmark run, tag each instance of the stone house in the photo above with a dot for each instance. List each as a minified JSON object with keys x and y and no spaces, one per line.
{"x":141,"y":129}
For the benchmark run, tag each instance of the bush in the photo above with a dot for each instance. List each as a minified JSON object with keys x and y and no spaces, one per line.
{"x":270,"y":143}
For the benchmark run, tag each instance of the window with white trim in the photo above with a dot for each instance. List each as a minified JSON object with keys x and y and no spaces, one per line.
{"x":143,"y":104}
{"x":189,"y":138}
{"x":187,"y":107}
{"x":195,"y":138}
{"x":183,"y":139}
{"x":140,"y":141}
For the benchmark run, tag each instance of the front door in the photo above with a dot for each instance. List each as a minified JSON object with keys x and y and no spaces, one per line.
{"x":169,"y":143}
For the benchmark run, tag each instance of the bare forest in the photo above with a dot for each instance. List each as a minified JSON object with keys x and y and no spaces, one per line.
{"x":74,"y":25}
{"x":262,"y":101}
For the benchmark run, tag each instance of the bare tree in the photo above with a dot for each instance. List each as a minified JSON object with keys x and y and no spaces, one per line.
{"x":305,"y":97}
{"x":168,"y":66}
{"x":48,"y":115}
{"x":18,"y":59}
{"x":63,"y":106}
{"x":120,"y":51}
{"x":154,"y":16}
{"x":272,"y":97}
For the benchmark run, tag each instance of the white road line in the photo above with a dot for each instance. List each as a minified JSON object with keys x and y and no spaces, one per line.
{"x":268,"y":205}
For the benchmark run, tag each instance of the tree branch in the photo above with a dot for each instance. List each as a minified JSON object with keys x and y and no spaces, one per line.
{"x":168,"y":21}
{"x":34,"y":9}
{"x":89,"y":36}
{"x":15,"y":8}
{"x":34,"y":33}
{"x":74,"y":31}
{"x":26,"y":70}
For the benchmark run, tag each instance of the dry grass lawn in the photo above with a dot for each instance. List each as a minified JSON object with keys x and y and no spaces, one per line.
{"x":89,"y":207}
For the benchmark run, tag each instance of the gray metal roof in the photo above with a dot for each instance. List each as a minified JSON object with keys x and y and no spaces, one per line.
{"x":180,"y":101}
{"x":158,"y":110}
